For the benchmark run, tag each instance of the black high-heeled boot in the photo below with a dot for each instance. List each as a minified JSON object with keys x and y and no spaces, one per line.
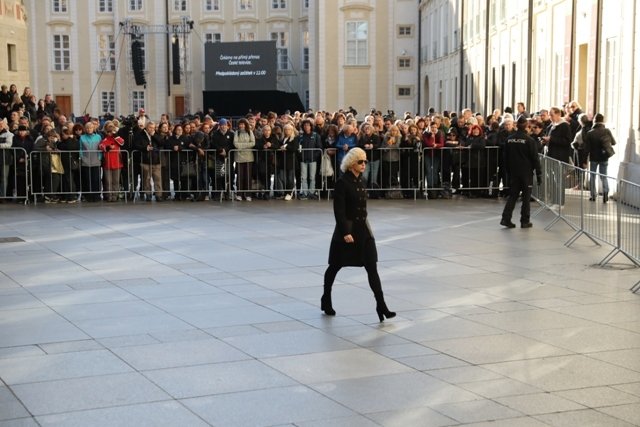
{"x":326,"y":306}
{"x":605,"y":197}
{"x":383,"y":311}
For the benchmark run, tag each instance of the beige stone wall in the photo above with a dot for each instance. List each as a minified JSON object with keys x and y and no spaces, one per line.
{"x":13,"y":31}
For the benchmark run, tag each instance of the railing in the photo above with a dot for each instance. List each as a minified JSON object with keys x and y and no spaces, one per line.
{"x":615,"y":223}
{"x":275,"y":173}
{"x":431,"y":172}
{"x":14,"y":174}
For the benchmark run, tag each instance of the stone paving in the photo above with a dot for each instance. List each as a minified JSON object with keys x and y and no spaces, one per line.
{"x":196,"y":314}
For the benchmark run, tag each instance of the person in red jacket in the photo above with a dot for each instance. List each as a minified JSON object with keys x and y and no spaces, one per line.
{"x":112,"y":161}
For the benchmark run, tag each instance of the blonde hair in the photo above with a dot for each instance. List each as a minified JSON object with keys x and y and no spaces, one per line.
{"x":351,"y":158}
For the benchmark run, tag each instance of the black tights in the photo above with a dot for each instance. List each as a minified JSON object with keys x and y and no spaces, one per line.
{"x":372,"y":274}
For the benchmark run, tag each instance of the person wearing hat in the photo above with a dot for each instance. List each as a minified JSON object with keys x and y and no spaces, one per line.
{"x":521,"y":154}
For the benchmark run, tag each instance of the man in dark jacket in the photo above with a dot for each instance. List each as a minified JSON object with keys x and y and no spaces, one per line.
{"x":221,"y":141}
{"x":150,"y":146}
{"x":599,"y":144}
{"x":521,"y":154}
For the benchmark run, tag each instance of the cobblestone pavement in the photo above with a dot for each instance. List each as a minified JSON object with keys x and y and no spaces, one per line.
{"x":195,"y":314}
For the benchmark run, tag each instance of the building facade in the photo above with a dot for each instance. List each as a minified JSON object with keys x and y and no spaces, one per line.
{"x":495,"y":53}
{"x":364,"y":54}
{"x":14,"y":64}
{"x":81,"y":49}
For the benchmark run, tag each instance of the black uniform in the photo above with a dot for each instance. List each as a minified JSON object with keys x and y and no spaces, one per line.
{"x":521,"y":155}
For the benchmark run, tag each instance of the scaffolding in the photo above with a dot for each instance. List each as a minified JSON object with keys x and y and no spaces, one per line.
{"x":180,"y":32}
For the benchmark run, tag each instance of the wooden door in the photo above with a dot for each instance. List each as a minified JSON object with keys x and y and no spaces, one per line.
{"x":64,"y":104}
{"x":179,"y":106}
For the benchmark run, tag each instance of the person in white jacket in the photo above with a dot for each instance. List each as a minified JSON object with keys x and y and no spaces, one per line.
{"x":244,"y":142}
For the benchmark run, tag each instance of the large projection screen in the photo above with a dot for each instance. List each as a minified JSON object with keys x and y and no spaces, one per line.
{"x":240,"y":66}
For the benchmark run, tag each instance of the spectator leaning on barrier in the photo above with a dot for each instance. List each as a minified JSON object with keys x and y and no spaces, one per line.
{"x":148,"y":145}
{"x":599,"y":143}
{"x":91,"y":160}
{"x":522,"y":160}
{"x":311,"y":146}
{"x":112,"y":162}
{"x":6,"y":157}
{"x":558,"y":140}
{"x":370,"y":142}
{"x":244,"y":143}
{"x":70,"y":154}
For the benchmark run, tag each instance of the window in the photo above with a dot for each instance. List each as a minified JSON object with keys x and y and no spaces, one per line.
{"x":212,"y":5}
{"x":61,"y":53}
{"x":404,"y":91}
{"x":282,"y":47}
{"x":137,"y":100}
{"x":212,"y":37}
{"x":305,"y":50}
{"x":357,"y":43}
{"x":107,"y":52}
{"x":305,"y":4}
{"x":179,"y":5}
{"x":404,"y":30}
{"x":404,"y":63}
{"x":135,"y":5}
{"x":245,"y":5}
{"x":59,"y":6}
{"x":143,"y":59}
{"x":108,"y":102}
{"x":105,"y":6}
{"x":12,"y":59}
{"x":245,"y":36}
{"x":278,"y":4}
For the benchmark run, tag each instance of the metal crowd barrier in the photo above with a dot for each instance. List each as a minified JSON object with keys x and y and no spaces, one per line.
{"x":615,"y":223}
{"x":431,"y":172}
{"x":181,"y":175}
{"x":69,"y":175}
{"x":275,"y":173}
{"x":463,"y":170}
{"x":14,"y":174}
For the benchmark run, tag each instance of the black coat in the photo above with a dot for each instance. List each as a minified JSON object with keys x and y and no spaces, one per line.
{"x":596,"y":141}
{"x":559,"y":146}
{"x":350,"y":210}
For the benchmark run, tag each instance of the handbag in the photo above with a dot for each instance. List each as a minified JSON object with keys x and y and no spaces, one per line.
{"x":326,"y":169}
{"x":220,"y":168}
{"x":56,"y":164}
{"x":188,"y":169}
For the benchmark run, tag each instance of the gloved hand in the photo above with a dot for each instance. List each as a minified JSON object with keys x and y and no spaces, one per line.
{"x":539,"y":179}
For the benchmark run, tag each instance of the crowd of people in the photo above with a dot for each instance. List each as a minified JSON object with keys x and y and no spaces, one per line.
{"x":264,"y":155}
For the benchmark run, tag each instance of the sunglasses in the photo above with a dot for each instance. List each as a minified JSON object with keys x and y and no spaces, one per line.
{"x":363,"y":162}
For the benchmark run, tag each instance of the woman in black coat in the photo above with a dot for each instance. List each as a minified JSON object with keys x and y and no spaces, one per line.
{"x":352,"y":244}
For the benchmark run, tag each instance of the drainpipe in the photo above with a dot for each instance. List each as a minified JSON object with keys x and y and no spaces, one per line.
{"x":596,"y":86}
{"x":166,"y":15}
{"x":572,"y":55}
{"x":419,"y":100}
{"x":461,"y":78}
{"x":486,"y":58}
{"x":530,"y":51}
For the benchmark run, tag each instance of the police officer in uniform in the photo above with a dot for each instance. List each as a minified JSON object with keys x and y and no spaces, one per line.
{"x":352,"y":244}
{"x":521,"y":154}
